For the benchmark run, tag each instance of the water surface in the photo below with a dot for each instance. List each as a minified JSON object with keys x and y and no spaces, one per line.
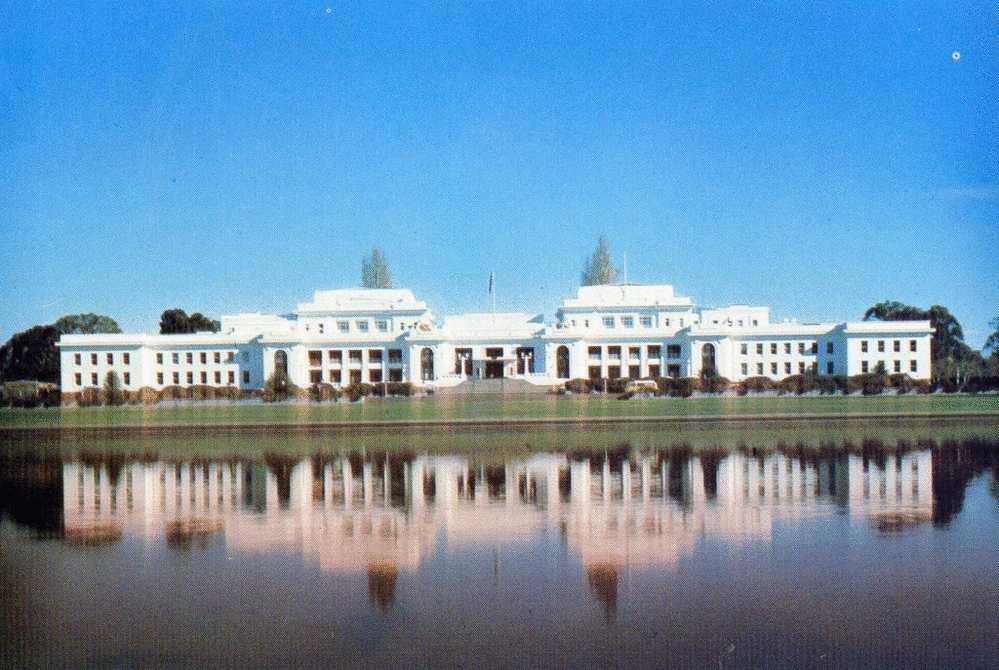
{"x":862,"y":551}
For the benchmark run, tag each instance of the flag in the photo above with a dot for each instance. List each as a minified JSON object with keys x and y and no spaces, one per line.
{"x":492,"y":282}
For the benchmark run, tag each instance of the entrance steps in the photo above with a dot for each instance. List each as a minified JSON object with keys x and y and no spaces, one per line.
{"x":471,"y":387}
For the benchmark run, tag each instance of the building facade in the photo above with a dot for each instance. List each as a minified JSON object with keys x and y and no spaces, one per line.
{"x":348,"y":336}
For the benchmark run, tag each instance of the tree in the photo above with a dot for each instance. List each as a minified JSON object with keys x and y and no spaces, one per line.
{"x":992,"y":343}
{"x":86,"y":324}
{"x":375,"y":271}
{"x":174,"y":321}
{"x":112,"y":389}
{"x":31,"y":354}
{"x":599,"y":269}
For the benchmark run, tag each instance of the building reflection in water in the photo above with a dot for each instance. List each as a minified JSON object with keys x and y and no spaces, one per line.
{"x":382,"y":515}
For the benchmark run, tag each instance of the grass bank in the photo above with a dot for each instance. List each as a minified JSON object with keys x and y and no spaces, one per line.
{"x":500,"y":410}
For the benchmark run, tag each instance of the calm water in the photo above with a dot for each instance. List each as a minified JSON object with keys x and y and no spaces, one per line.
{"x":839,"y":553}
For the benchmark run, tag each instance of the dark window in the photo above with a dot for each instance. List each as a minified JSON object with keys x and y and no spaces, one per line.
{"x":525,"y":360}
{"x":912,"y":345}
{"x":773,"y":368}
{"x":231,"y":377}
{"x":375,"y":376}
{"x":830,"y":368}
{"x":614,"y":353}
{"x":218,"y":377}
{"x":218,"y":357}
{"x":655,"y":351}
{"x":336,"y":357}
{"x":204,"y":377}
{"x":494,"y":352}
{"x":315,"y":358}
{"x":204,"y":357}
{"x":159,"y":378}
{"x":395,"y":356}
{"x":281,"y":362}
{"x":427,"y":364}
{"x":176,"y":378}
{"x":912,"y":365}
{"x":897,"y":345}
{"x":594,"y":352}
{"x":787,"y":368}
{"x":93,"y":378}
{"x":93,"y":359}
{"x":787,"y":347}
{"x":653,"y":371}
{"x":355,"y":376}
{"x":315,"y":376}
{"x":773,"y":347}
{"x":110,"y":359}
{"x":125,"y":358}
{"x":864,"y":367}
{"x":708,"y":358}
{"x":374,"y":355}
{"x":176,"y":358}
{"x":562,"y":360}
{"x":128,"y":378}
{"x":190,"y":377}
{"x":78,"y":378}
{"x":335,"y":377}
{"x":673,"y":371}
{"x":634,"y":371}
{"x":898,"y":366}
{"x":863,"y":346}
{"x":829,"y":347}
{"x":801,"y":347}
{"x":673,"y":351}
{"x":246,"y":376}
{"x":77,"y":359}
{"x":354,"y":355}
{"x":759,"y":368}
{"x":815,"y":347}
{"x":744,"y":350}
{"x":190,"y":357}
{"x":614,"y":371}
{"x":759,"y":348}
{"x":594,"y":372}
{"x":395,"y":375}
{"x":159,"y":359}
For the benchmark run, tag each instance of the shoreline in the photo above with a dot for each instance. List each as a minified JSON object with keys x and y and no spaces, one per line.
{"x":362,"y":425}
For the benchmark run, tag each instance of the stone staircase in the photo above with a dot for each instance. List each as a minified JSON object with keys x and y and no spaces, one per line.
{"x":471,"y":387}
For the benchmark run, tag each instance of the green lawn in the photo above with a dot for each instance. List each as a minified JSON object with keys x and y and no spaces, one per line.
{"x":440,"y":409}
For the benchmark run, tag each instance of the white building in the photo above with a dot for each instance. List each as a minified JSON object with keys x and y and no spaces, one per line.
{"x":346,"y":336}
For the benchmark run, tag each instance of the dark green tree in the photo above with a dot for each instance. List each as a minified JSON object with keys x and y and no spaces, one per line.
{"x":375,"y":270}
{"x":176,"y":320}
{"x":86,"y":324}
{"x":112,"y":389}
{"x":31,"y":354}
{"x":599,"y":268}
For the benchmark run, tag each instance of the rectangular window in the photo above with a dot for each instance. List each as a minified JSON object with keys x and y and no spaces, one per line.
{"x":354,"y":356}
{"x":362,"y":326}
{"x":830,"y":368}
{"x":159,"y":359}
{"x":159,"y":379}
{"x":322,"y":327}
{"x":204,"y":377}
{"x":745,"y":369}
{"x":759,"y":348}
{"x":315,"y":376}
{"x":667,"y":323}
{"x":759,"y":368}
{"x":594,"y":372}
{"x":673,"y":371}
{"x":93,"y":379}
{"x":494,"y":352}
{"x":355,"y":376}
{"x":343,"y":326}
{"x":653,"y":371}
{"x":801,"y":368}
{"x":912,"y":365}
{"x":395,"y":375}
{"x":374,"y":355}
{"x":898,"y":366}
{"x":190,"y":358}
{"x":315,"y":358}
{"x":912,"y":345}
{"x":815,"y":347}
{"x":773,"y":368}
{"x":655,"y":351}
{"x":787,"y":347}
{"x":395,"y":356}
{"x":634,"y":352}
{"x":93,"y":359}
{"x":204,"y":358}
{"x":594,"y":352}
{"x":864,"y":367}
{"x":634,"y":371}
{"x":77,"y":359}
{"x":176,"y":378}
{"x":627,"y":322}
{"x":246,"y":376}
{"x":125,"y":358}
{"x":176,"y":358}
{"x":801,"y":347}
{"x":829,"y":347}
{"x":755,"y":323}
{"x":128,"y":378}
{"x":218,"y":376}
{"x":787,"y":368}
{"x":375,"y":376}
{"x":110,"y":359}
{"x":863,"y":346}
{"x":78,"y":378}
{"x":672,"y":351}
{"x":608,"y":322}
{"x":231,"y":377}
{"x":230,"y":356}
{"x":190,"y":377}
{"x":614,"y":353}
{"x":881,"y":345}
{"x":336,"y":357}
{"x":773,"y":348}
{"x":646,"y":321}
{"x":744,"y":349}
{"x":335,"y":377}
{"x":897,"y":345}
{"x":217,"y":357}
{"x":381,"y":325}
{"x":614,"y":372}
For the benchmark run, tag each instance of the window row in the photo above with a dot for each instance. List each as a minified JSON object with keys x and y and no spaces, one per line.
{"x":653,"y":351}
{"x":335,"y":356}
{"x":359,"y":325}
{"x":881,"y":344}
{"x":175,"y":378}
{"x":188,"y":357}
{"x":375,"y":376}
{"x":94,"y":357}
{"x":803,"y":348}
{"x":774,"y":368}
{"x":612,"y":322}
{"x":633,"y":371}
{"x":896,"y":366}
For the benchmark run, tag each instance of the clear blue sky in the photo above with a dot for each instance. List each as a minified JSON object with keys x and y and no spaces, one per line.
{"x":815,"y":158}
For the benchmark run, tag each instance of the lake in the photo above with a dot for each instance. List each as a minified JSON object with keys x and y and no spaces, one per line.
{"x":838,"y":545}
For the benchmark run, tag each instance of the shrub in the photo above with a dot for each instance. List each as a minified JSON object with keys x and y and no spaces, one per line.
{"x":89,"y":397}
{"x":404,"y":389}
{"x":868,"y":384}
{"x":980,"y":384}
{"x":278,"y":387}
{"x":901,"y":383}
{"x":618,"y":385}
{"x":322,"y":392}
{"x":355,"y":392}
{"x":21,"y":394}
{"x":228,"y":393}
{"x":578,"y":386}
{"x":755,"y":385}
{"x":683,"y":387}
{"x":112,"y":389}
{"x":711,"y":382}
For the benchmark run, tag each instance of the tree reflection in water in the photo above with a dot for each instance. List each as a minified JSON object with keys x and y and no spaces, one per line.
{"x":381,"y":584}
{"x":603,"y":579}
